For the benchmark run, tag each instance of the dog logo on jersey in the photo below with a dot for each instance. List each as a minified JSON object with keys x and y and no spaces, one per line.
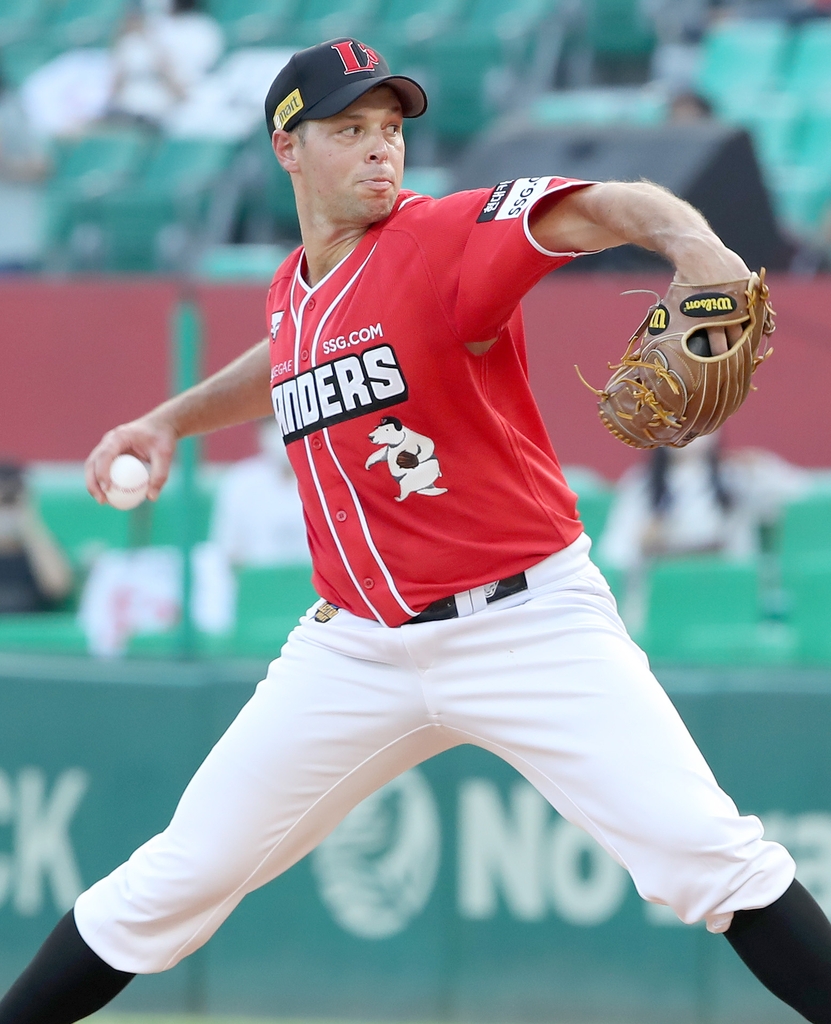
{"x":659,"y":320}
{"x":409,"y":456}
{"x":276,"y":320}
{"x":352,"y":61}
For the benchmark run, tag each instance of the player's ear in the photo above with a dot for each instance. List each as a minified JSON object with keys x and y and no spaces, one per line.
{"x":285,"y":145}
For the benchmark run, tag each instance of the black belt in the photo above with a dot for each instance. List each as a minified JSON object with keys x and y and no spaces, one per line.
{"x":446,"y":607}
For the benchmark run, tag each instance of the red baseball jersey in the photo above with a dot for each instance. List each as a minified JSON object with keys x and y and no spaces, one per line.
{"x":423,"y":463}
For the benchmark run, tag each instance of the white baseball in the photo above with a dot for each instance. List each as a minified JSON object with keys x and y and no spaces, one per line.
{"x":128,"y":482}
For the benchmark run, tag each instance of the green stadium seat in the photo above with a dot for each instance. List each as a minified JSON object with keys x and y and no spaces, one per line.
{"x":315,"y":20}
{"x":23,"y":56}
{"x":402,"y":28}
{"x":806,"y":530}
{"x":73,"y":23}
{"x":743,"y":58}
{"x":809,"y":72}
{"x":82,"y":526}
{"x":172,"y":190}
{"x":270,"y":602}
{"x":20,"y":19}
{"x":619,"y":28}
{"x":42,"y":633}
{"x":87,"y":169}
{"x":428,"y":181}
{"x":593,"y":507}
{"x":597,"y":106}
{"x":252,"y":22}
{"x":808,"y":587}
{"x":802,"y":198}
{"x":706,"y":611}
{"x":774,"y":126}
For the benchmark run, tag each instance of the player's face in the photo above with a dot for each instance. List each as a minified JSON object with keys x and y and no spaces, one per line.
{"x":350,"y":166}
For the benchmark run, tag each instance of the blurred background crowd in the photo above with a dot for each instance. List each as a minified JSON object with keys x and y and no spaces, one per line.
{"x":131,"y":135}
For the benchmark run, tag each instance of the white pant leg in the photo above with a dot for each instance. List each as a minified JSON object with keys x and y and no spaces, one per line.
{"x":556,"y":687}
{"x":323,"y":731}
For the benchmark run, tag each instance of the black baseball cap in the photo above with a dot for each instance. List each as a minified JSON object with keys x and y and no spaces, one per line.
{"x":324,"y":79}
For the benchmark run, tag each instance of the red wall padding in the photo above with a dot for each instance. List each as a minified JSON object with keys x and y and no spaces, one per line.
{"x":80,"y":356}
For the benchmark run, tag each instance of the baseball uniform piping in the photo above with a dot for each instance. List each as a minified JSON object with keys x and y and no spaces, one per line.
{"x":335,"y":537}
{"x":355,"y":500}
{"x":298,"y":328}
{"x":568,"y":186}
{"x":288,"y":832}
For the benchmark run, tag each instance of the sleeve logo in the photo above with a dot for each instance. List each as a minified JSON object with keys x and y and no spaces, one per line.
{"x":510,"y":199}
{"x":340,"y":390}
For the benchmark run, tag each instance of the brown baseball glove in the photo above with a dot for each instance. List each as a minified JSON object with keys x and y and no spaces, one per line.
{"x":668,"y":389}
{"x":406,"y":460}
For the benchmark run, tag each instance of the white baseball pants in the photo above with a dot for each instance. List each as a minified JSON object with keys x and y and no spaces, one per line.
{"x":547,"y":679}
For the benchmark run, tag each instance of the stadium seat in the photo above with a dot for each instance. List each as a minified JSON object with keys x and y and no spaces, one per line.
{"x":809,"y":71}
{"x":20,"y":19}
{"x":170,"y":194}
{"x":71,"y":23}
{"x":593,"y":507}
{"x":247,"y":22}
{"x":315,"y":20}
{"x":619,"y":28}
{"x":808,"y":587}
{"x":706,"y":611}
{"x":23,"y":56}
{"x":80,"y":525}
{"x":270,"y":602}
{"x":42,"y":633}
{"x":87,"y":169}
{"x":741,"y":60}
{"x":806,"y":530}
{"x":428,"y":181}
{"x":598,"y":106}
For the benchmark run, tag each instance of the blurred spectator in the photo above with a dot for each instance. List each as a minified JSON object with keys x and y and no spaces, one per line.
{"x":159,"y":58}
{"x":23,"y":165}
{"x":34,"y":573}
{"x":258,"y":518}
{"x":697,"y":500}
{"x":688,"y":106}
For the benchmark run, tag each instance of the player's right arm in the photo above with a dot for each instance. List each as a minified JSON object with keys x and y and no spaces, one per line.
{"x":237,"y":393}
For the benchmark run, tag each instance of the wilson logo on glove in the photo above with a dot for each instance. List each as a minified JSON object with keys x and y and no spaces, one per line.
{"x":708,"y":303}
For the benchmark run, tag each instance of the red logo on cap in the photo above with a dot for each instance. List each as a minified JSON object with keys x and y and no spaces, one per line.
{"x":352,"y":61}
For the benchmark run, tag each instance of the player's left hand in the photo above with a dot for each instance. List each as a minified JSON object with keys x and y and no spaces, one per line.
{"x":706,"y":264}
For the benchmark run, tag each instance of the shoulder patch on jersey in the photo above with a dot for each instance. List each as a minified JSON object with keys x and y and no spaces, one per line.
{"x":510,"y":198}
{"x":276,"y":320}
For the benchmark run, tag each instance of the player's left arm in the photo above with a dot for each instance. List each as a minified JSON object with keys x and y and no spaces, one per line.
{"x":614,"y":213}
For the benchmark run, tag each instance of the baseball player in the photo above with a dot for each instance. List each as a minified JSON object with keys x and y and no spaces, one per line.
{"x":458,"y":603}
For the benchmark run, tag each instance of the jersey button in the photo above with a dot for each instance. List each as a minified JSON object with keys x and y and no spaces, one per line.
{"x":304,"y":355}
{"x":369,"y":583}
{"x":317,"y":444}
{"x":340,"y":515}
{"x":311,"y":303}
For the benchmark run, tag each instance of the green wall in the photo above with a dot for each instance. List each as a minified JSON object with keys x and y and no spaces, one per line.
{"x":478,"y":904}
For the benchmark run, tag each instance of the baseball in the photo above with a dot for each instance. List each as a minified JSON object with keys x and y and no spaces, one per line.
{"x":128,"y":482}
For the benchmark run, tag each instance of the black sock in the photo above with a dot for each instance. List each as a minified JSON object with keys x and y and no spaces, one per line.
{"x":788,"y":947}
{"x":65,"y":982}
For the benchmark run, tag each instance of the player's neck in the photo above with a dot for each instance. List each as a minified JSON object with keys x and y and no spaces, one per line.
{"x":325,"y":249}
